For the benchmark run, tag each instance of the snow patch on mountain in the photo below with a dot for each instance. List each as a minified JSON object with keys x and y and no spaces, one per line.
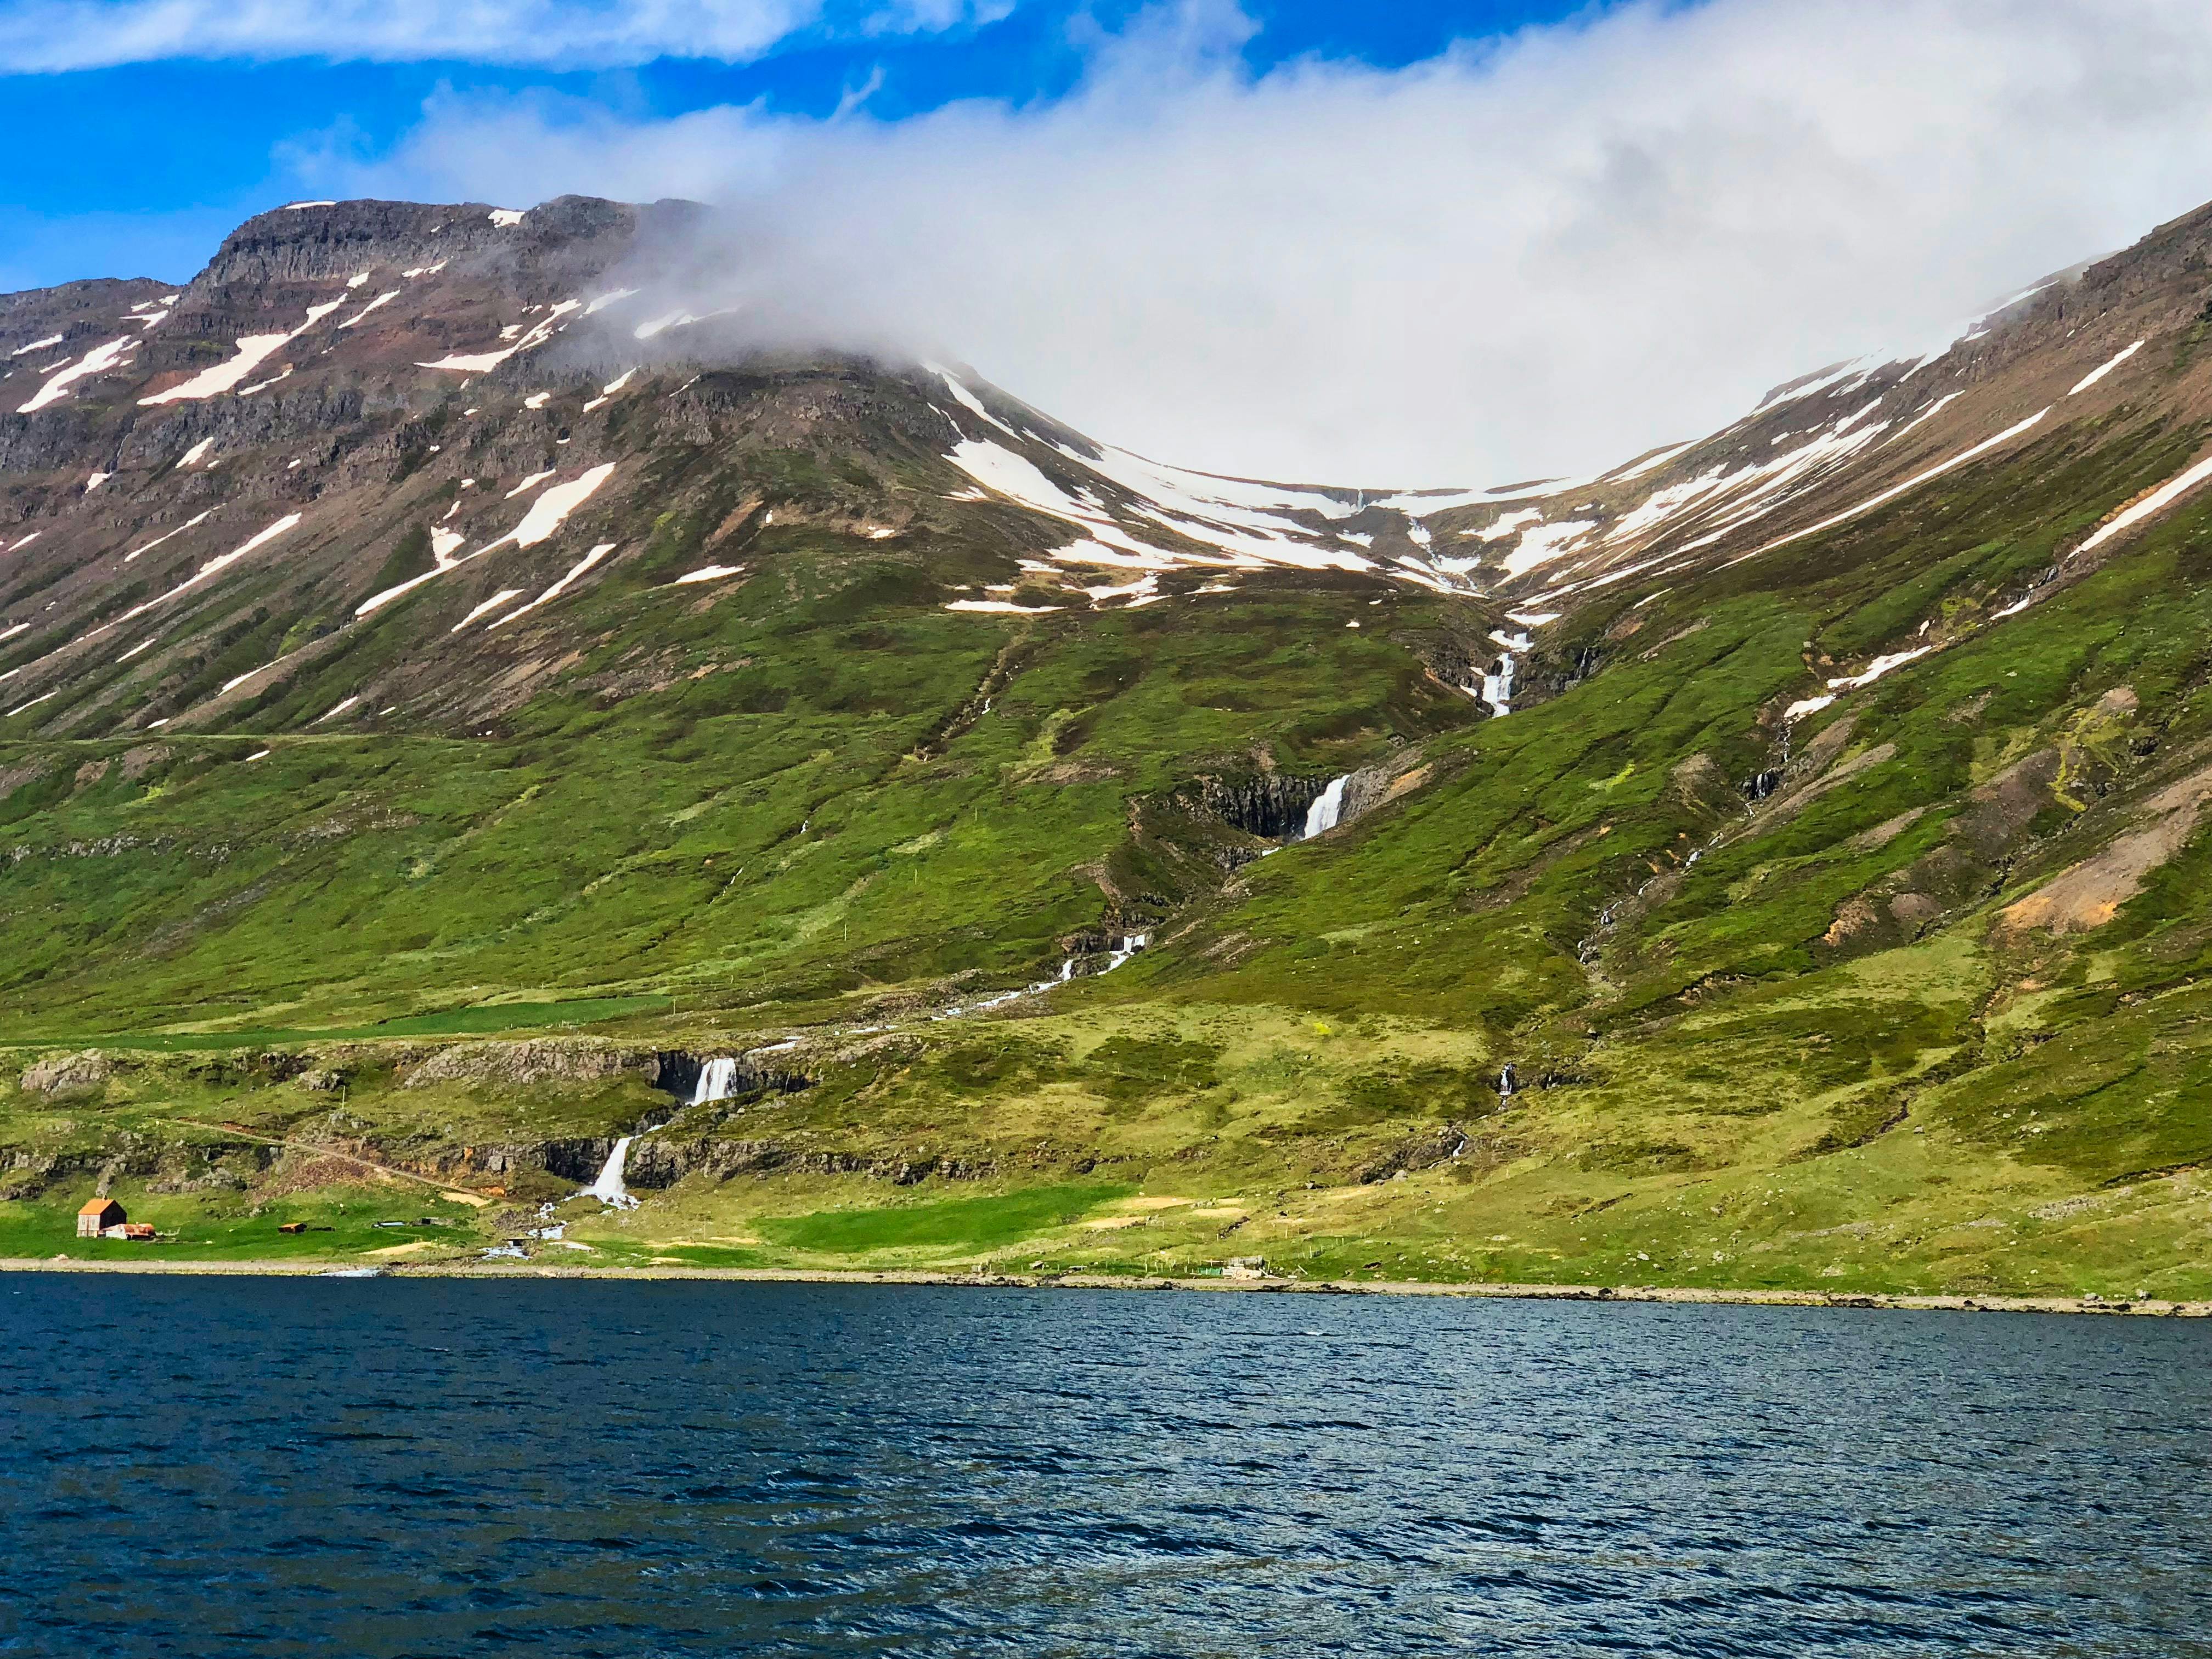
{"x":237,"y":680}
{"x":2156,"y":502}
{"x":1543,"y":543}
{"x":212,"y":567}
{"x":962,"y":395}
{"x":551,"y":509}
{"x":575,"y":572}
{"x":1651,"y":463}
{"x":483,"y":362}
{"x":97,"y":360}
{"x":1879,"y":666}
{"x":1895,"y":491}
{"x":358,"y":316}
{"x":608,"y":390}
{"x":250,"y":352}
{"x":187,"y":525}
{"x":1857,"y":369}
{"x":487,"y":606}
{"x":1927,"y":414}
{"x":1506,"y":523}
{"x":2103,"y":369}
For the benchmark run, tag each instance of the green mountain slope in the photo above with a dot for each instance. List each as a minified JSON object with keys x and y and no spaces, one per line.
{"x":1827,"y":911}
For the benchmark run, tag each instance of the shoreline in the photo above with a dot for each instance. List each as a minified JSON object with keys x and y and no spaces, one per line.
{"x":1877,"y":1300}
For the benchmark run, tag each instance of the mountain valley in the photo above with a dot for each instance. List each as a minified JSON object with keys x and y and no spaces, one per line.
{"x":487,"y":749}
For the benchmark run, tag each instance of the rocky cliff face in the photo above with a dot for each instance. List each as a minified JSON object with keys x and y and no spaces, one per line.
{"x":1271,"y":806}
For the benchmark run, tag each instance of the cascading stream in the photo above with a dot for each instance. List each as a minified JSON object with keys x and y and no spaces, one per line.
{"x":718,"y":1080}
{"x":1497,"y":686}
{"x":1118,"y":951}
{"x":1122,"y":952}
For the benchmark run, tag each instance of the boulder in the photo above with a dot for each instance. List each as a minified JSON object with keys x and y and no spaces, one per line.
{"x":66,"y":1074}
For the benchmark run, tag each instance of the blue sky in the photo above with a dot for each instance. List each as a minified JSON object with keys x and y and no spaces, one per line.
{"x":139,"y":167}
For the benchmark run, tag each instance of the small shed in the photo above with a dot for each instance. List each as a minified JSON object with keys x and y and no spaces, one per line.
{"x":97,"y":1216}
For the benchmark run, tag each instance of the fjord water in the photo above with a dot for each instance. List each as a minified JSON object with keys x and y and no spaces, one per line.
{"x":419,"y":1468}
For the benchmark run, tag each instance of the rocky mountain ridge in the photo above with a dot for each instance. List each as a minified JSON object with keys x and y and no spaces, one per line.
{"x":351,"y":392}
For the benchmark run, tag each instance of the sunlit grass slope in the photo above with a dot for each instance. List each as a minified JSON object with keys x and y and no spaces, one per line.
{"x":1925,"y":1017}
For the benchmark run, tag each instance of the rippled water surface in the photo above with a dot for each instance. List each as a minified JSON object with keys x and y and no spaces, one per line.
{"x":373,"y":1468}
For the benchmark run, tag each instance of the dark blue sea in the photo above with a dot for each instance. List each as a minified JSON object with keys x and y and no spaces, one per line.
{"x":342,"y":1467}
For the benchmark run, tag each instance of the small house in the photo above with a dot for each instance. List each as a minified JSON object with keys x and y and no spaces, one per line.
{"x":97,"y":1216}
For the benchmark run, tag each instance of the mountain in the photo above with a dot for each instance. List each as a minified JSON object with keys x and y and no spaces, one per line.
{"x":464,"y":703}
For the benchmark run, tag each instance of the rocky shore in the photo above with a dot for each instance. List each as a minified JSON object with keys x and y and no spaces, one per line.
{"x":1623,"y":1293}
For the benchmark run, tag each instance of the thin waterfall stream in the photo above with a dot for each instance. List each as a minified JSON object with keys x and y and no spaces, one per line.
{"x":1119,"y":950}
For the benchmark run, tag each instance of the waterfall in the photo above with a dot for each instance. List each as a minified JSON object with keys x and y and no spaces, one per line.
{"x":717,"y":1081}
{"x":1505,"y":1082}
{"x":1497,"y":686}
{"x":1327,"y":807}
{"x":609,"y":1188}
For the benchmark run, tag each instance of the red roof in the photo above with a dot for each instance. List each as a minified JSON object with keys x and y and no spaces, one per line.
{"x":98,"y":1206}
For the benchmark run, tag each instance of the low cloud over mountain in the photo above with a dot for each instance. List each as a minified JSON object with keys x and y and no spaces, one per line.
{"x":1530,"y":256}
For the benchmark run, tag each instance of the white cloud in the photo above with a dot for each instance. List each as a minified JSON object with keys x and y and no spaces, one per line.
{"x":1537,"y":256}
{"x":40,"y":36}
